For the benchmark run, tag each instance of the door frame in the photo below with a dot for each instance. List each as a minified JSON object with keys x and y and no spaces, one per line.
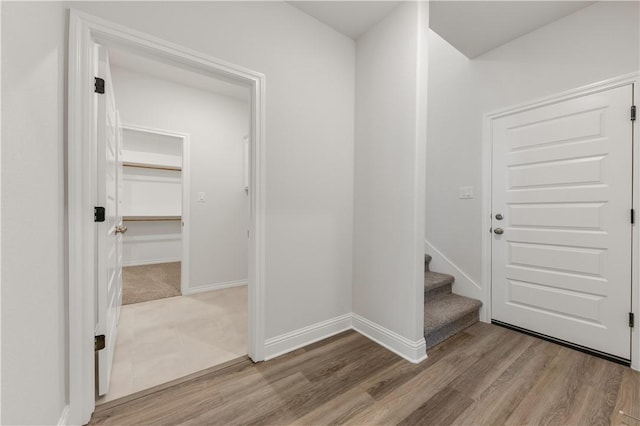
{"x":186,"y":180}
{"x":487,"y":169}
{"x":84,"y":31}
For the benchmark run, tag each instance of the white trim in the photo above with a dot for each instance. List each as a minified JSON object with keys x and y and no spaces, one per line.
{"x":0,"y":222}
{"x":84,"y":31}
{"x":212,"y":287}
{"x":588,"y":89}
{"x":635,"y":259}
{"x":463,"y":285}
{"x":487,"y":188}
{"x":485,"y":217}
{"x":185,"y":267}
{"x":293,"y":340}
{"x":414,"y":352}
{"x":64,"y":416}
{"x":151,"y":262}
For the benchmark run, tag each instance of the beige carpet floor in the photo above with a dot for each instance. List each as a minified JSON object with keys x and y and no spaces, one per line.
{"x":150,"y":282}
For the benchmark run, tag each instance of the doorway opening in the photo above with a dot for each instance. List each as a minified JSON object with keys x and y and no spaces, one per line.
{"x":182,"y":203}
{"x":173,"y":144}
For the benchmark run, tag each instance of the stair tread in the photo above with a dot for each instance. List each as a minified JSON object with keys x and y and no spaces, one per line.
{"x":433,"y":280}
{"x":444,"y":309}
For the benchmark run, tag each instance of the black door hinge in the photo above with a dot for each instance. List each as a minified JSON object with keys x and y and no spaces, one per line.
{"x":633,"y":216}
{"x":99,"y":342}
{"x":632,"y":321}
{"x":633,"y":113}
{"x":99,"y":85}
{"x":98,"y":214}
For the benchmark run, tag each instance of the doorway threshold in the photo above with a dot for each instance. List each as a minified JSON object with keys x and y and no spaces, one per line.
{"x":235,"y":364}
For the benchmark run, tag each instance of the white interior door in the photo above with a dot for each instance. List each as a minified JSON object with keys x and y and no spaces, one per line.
{"x":119,"y":202}
{"x":109,"y":238}
{"x":562,"y":182}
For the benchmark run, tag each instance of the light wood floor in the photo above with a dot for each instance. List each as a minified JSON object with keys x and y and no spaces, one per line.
{"x":484,"y":375}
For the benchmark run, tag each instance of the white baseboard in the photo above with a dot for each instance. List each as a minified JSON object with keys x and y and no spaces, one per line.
{"x":414,"y":352}
{"x":212,"y":287}
{"x":293,"y":340}
{"x":151,"y":261}
{"x":64,"y":416}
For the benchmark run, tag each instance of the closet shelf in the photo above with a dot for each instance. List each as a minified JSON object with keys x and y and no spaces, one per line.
{"x":151,"y":166}
{"x":152,"y":218}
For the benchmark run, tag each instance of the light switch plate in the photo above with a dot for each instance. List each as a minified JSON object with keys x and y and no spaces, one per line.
{"x":465,"y":192}
{"x":201,"y":197}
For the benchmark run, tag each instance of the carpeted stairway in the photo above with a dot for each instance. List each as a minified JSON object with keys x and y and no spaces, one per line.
{"x":445,"y":313}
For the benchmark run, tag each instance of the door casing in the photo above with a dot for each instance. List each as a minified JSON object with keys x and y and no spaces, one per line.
{"x":487,"y":148}
{"x":84,"y":31}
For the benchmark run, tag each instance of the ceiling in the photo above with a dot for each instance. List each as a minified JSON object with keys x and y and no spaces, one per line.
{"x":351,"y":18}
{"x":164,"y":71}
{"x":475,"y":27}
{"x":472,"y":27}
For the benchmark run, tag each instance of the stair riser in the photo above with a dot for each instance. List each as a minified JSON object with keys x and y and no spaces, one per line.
{"x":430,"y":294}
{"x":449,"y":330}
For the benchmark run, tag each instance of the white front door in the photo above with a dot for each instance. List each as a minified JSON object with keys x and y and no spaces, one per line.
{"x":562,"y":197}
{"x":109,"y":239}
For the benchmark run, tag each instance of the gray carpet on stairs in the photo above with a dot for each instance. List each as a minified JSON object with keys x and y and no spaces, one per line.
{"x":445,"y":313}
{"x":436,"y":283}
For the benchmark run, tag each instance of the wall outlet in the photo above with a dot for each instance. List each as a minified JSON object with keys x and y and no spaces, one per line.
{"x":201,"y":197}
{"x":465,"y":192}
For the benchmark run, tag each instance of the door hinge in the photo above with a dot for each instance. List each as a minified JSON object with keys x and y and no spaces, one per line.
{"x":99,"y":85}
{"x":99,"y":342}
{"x":633,"y":216}
{"x":633,"y":113}
{"x":98,"y":214}
{"x":632,"y":321}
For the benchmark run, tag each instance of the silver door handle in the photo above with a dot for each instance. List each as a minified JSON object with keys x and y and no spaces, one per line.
{"x":121,"y":229}
{"x":498,"y":231}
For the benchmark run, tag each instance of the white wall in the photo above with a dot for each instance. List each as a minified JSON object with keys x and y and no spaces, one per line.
{"x":216,"y":126}
{"x":309,"y":72}
{"x":388,"y":184}
{"x":33,"y":217}
{"x":147,"y":243}
{"x":591,"y":45}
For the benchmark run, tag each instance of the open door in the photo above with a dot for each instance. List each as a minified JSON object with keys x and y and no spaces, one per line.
{"x":109,"y":228}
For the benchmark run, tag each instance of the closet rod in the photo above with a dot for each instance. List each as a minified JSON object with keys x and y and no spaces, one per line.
{"x":152,"y":218}
{"x":148,"y":166}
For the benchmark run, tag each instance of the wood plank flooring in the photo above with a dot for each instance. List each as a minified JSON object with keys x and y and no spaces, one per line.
{"x":483,"y":375}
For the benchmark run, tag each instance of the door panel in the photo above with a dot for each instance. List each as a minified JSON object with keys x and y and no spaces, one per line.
{"x":562,"y":179}
{"x":119,"y":202}
{"x":109,"y":279}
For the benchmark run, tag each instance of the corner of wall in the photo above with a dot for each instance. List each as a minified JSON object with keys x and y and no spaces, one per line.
{"x":413,"y":351}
